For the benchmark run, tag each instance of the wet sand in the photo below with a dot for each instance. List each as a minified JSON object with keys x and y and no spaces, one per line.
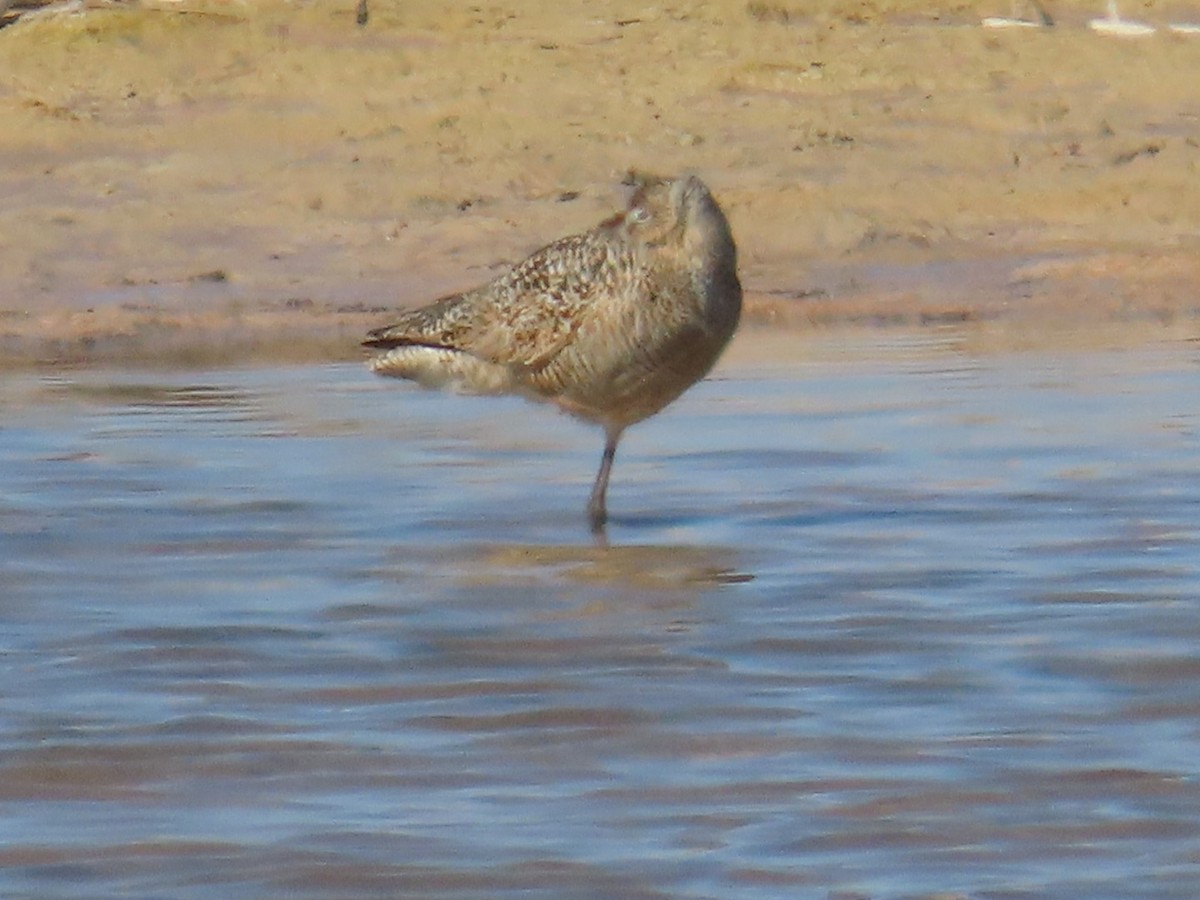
{"x":192,"y":183}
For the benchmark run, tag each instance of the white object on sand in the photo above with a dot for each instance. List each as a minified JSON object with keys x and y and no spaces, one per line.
{"x":1114,"y":24}
{"x":1015,"y":21}
{"x":1006,"y":22}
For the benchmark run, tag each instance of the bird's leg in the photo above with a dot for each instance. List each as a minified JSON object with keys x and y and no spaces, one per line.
{"x":597,"y":511}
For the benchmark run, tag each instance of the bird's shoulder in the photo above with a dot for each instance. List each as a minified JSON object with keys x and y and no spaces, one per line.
{"x":566,"y":273}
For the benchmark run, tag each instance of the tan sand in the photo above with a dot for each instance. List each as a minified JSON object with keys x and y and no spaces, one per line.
{"x":202,"y":182}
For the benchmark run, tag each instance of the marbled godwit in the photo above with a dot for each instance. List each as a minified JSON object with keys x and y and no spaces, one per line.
{"x":610,"y":325}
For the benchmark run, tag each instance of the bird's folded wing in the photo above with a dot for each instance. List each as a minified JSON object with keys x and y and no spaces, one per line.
{"x":443,"y":323}
{"x":525,"y":317}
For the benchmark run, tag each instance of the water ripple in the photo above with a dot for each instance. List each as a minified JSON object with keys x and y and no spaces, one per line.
{"x":904,"y":622}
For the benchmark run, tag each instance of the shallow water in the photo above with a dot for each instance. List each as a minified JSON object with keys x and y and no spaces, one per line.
{"x":894,"y":622}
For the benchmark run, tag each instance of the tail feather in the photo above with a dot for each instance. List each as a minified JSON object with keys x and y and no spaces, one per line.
{"x":441,"y":325}
{"x":385,"y":339}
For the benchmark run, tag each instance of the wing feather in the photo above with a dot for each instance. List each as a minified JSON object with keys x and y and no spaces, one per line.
{"x":525,"y":317}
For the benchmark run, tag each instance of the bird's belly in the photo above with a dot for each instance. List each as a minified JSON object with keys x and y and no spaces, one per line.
{"x":624,"y":388}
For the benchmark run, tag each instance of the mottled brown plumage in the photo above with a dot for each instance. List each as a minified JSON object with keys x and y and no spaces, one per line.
{"x":610,"y":325}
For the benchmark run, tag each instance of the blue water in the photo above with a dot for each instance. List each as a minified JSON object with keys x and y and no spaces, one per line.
{"x":897,"y":620}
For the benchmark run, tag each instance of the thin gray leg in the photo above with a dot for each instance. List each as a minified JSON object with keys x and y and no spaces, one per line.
{"x":597,"y":510}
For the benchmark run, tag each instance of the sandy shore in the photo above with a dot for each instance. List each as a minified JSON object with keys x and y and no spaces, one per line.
{"x":201,"y":182}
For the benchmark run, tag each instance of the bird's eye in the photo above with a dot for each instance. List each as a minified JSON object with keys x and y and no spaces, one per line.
{"x":639,"y":214}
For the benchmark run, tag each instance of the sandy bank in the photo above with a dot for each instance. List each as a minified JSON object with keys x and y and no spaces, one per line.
{"x":214,"y":182}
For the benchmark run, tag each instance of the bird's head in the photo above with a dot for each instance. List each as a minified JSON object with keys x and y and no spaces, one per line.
{"x":677,"y":213}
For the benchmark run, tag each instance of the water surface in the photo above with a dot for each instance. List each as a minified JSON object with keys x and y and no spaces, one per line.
{"x":897,"y":621}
